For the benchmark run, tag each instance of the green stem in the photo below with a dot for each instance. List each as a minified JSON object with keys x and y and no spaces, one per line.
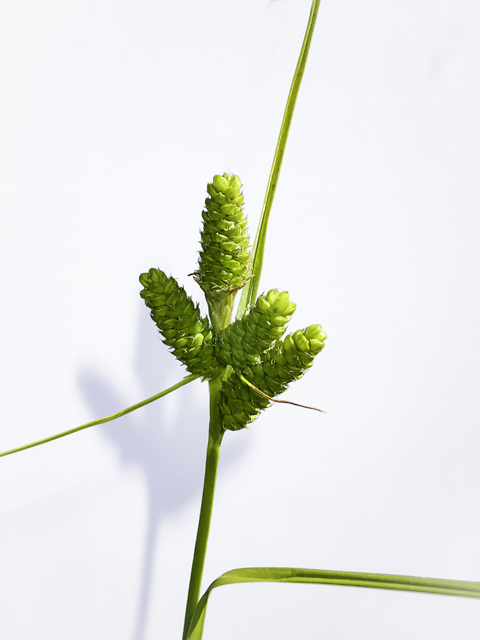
{"x":134,"y":407}
{"x":213,"y":454}
{"x":249,"y":293}
{"x":220,"y":317}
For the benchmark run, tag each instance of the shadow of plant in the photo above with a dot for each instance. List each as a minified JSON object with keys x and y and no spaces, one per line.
{"x":170,"y":455}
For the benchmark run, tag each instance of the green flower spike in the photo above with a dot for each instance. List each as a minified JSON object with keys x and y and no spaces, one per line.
{"x":222,"y":268}
{"x":243,"y":342}
{"x":188,"y":335}
{"x":285,"y":362}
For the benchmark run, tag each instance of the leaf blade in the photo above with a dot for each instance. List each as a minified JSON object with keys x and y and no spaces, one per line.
{"x":114,"y":416}
{"x":250,"y":290}
{"x":437,"y":586}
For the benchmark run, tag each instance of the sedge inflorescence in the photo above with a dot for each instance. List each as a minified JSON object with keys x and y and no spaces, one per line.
{"x":222,"y":267}
{"x":252,"y":347}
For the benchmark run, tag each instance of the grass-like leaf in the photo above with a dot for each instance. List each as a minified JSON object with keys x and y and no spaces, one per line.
{"x":124,"y":412}
{"x":250,"y":290}
{"x":459,"y":588}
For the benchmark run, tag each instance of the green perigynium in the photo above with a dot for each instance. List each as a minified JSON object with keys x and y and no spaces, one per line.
{"x":245,"y":340}
{"x":188,"y":334}
{"x":279,"y":366}
{"x":251,"y":346}
{"x":222,"y":267}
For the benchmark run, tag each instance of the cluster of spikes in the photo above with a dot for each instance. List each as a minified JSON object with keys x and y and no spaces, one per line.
{"x":251,"y":356}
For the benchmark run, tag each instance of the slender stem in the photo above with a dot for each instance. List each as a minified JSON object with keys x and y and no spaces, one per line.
{"x":134,"y":407}
{"x":211,"y":464}
{"x":219,"y":320}
{"x":249,"y":293}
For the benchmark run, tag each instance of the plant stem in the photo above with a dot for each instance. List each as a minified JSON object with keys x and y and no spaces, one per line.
{"x":134,"y":407}
{"x":220,"y":316}
{"x":213,"y":454}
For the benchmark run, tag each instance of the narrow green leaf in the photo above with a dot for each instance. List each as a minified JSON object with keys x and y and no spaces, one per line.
{"x":250,"y":290}
{"x":459,"y":588}
{"x":102,"y":420}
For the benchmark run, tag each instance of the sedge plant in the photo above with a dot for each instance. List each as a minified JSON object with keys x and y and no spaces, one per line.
{"x":247,"y":360}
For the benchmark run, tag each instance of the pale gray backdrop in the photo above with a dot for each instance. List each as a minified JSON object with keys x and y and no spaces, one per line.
{"x":114,"y":115}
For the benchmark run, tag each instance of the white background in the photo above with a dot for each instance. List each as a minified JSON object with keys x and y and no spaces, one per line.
{"x":114,"y":115}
